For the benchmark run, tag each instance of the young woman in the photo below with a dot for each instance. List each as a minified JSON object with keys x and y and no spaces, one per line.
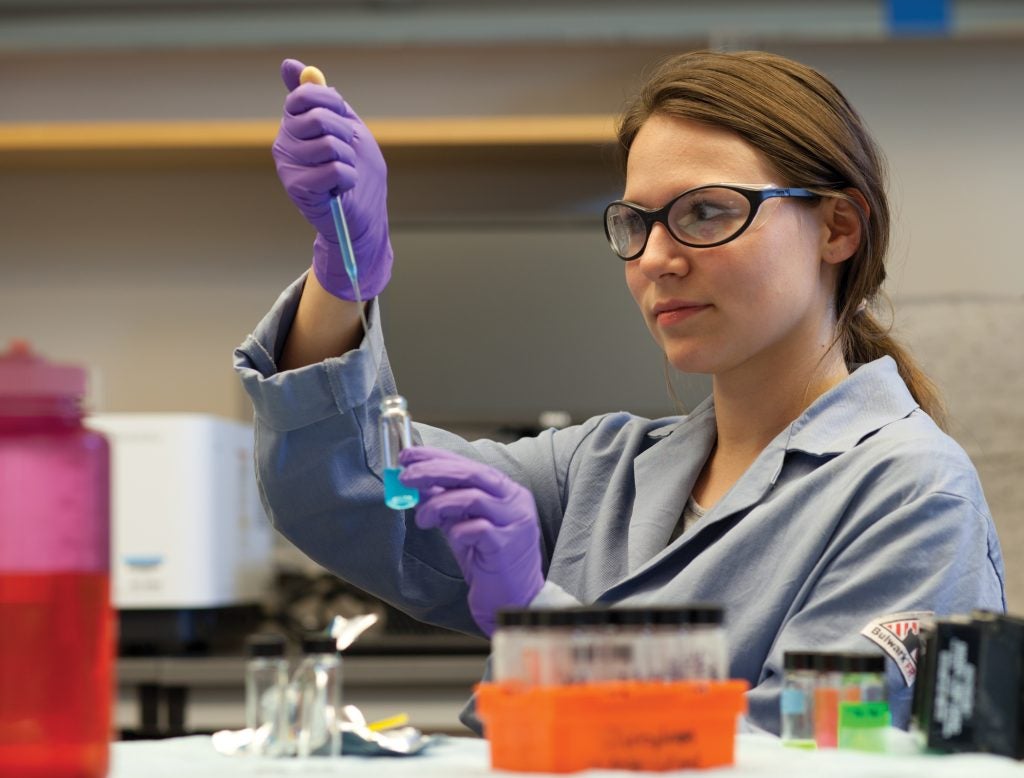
{"x":813,"y":494}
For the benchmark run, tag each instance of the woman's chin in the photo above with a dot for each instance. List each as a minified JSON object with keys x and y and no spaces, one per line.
{"x":694,"y":361}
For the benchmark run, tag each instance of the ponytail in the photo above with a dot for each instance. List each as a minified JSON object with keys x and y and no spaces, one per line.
{"x":867,"y":339}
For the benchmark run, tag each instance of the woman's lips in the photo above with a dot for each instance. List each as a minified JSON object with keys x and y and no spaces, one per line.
{"x":670,"y":316}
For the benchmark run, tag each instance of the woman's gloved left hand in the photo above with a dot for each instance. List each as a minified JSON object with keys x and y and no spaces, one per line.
{"x":490,"y":522}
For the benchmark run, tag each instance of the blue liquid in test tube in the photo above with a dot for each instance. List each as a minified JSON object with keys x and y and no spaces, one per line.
{"x":397,"y":496}
{"x":396,"y":434}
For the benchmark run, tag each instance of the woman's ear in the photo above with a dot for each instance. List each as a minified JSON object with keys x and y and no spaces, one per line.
{"x":843,"y":229}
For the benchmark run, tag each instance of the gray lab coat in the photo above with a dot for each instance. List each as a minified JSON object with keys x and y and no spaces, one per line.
{"x":860,"y":508}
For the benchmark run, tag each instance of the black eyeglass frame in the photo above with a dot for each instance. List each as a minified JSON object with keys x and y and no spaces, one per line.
{"x":755,"y":195}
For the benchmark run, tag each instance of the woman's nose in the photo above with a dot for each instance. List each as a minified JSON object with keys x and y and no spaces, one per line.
{"x":663,"y":255}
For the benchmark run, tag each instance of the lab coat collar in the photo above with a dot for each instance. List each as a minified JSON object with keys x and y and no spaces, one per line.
{"x":871,"y":397}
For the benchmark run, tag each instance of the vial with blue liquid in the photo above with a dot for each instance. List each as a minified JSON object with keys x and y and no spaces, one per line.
{"x":395,"y":435}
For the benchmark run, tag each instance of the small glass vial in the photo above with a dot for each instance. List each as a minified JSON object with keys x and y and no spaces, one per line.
{"x":863,"y":725}
{"x":698,"y":650}
{"x":648,"y":658}
{"x":535,"y":646}
{"x":316,"y":686}
{"x":266,"y":683}
{"x":590,"y":628}
{"x":863,"y":712}
{"x":507,"y":645}
{"x":863,"y":678}
{"x":395,"y":435}
{"x":828,"y":685}
{"x":797,"y":699}
{"x":554,"y":629}
{"x":625,"y":652}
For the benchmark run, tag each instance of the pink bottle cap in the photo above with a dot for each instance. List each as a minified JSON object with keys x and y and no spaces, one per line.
{"x":23,"y":373}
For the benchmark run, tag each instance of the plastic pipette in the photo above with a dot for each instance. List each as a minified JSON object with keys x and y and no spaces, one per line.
{"x":313,"y":75}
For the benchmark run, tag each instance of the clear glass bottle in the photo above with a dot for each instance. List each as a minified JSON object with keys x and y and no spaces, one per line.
{"x":395,"y":434}
{"x":797,"y":699}
{"x":56,"y":659}
{"x":316,"y":687}
{"x":266,"y":684}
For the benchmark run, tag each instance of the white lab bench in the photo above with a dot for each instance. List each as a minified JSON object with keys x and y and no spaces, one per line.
{"x":173,"y":696}
{"x":756,"y":755}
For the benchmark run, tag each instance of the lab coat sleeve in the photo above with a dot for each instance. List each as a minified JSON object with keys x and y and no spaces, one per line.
{"x":318,"y":464}
{"x":935,"y":551}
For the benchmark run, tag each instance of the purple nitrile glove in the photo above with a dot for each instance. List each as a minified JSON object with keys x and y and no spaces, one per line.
{"x":322,"y":149}
{"x":490,"y":523}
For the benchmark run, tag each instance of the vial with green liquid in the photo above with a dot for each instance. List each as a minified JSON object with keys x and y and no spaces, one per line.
{"x":396,"y":434}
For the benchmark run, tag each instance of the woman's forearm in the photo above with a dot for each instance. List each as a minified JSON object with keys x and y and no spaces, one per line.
{"x":324,"y":326}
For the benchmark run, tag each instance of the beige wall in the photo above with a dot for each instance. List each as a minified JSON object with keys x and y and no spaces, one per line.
{"x":153,"y":276}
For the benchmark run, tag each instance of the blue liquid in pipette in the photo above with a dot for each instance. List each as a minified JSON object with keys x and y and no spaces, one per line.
{"x":397,"y":496}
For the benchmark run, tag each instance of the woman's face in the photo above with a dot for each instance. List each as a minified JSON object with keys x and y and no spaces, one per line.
{"x":760,"y":301}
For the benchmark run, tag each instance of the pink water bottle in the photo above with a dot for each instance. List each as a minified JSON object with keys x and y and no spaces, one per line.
{"x":56,"y":620}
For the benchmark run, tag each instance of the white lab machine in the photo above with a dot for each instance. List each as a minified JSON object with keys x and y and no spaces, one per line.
{"x":191,"y":549}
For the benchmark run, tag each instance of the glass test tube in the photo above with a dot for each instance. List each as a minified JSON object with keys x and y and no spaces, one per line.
{"x":395,"y":434}
{"x":797,"y":699}
{"x":266,"y":682}
{"x":317,"y":688}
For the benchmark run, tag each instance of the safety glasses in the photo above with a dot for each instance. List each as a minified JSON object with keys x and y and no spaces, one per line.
{"x":703,"y":217}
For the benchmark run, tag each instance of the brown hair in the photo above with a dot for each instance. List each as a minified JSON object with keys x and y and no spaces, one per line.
{"x":812,"y":136}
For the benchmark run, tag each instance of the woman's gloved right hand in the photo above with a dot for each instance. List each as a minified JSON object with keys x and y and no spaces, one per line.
{"x":322,"y":149}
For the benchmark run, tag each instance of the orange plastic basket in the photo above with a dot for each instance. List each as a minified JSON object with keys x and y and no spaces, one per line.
{"x":626,"y":725}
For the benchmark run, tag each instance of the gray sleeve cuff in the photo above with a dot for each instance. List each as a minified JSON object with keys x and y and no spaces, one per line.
{"x":293,"y":399}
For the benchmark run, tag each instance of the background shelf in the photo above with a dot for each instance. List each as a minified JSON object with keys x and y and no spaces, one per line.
{"x":33,"y":144}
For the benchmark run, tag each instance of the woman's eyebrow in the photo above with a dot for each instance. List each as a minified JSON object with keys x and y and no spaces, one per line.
{"x":676,"y":191}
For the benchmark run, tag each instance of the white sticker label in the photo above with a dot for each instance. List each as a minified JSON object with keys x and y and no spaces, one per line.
{"x":896,"y":634}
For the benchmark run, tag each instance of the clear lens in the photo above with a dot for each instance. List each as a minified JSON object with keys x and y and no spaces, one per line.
{"x":708,"y":215}
{"x":626,"y":230}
